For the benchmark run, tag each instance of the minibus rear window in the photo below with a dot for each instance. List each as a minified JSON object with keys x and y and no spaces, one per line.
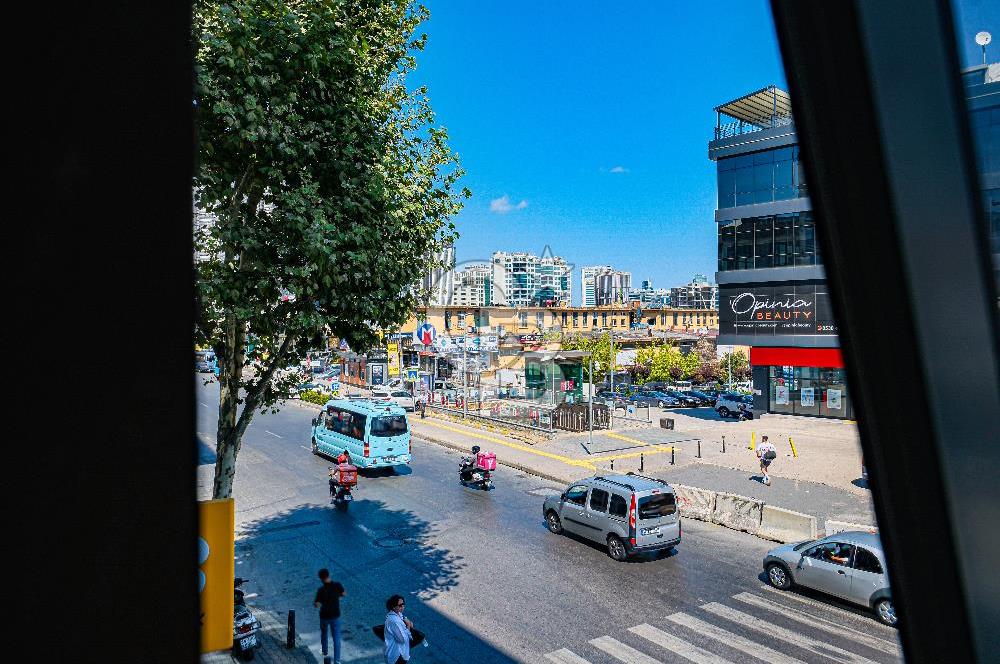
{"x":390,"y":425}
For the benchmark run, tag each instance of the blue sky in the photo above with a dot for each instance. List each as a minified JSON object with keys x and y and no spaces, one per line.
{"x":584,"y":126}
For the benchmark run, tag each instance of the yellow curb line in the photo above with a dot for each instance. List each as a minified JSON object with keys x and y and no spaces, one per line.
{"x":627,"y":439}
{"x":516,"y":446}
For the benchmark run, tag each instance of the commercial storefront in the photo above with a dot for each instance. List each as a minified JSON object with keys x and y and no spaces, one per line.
{"x":801,"y":381}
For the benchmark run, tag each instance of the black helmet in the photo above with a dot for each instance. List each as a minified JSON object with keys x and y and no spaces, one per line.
{"x":475,"y":449}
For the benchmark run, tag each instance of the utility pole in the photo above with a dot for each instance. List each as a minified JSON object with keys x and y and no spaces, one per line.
{"x":465,"y":375}
{"x":611,"y":421}
{"x":590,"y":401}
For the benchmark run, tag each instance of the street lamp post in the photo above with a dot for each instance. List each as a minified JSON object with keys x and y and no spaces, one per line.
{"x":611,"y":420}
{"x":590,"y":401}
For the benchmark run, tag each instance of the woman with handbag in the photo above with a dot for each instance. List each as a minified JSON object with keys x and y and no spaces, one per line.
{"x":399,"y":633}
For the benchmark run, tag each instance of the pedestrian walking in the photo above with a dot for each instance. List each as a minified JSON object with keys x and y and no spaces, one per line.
{"x":328,"y":602}
{"x":397,"y":631}
{"x":766,"y":453}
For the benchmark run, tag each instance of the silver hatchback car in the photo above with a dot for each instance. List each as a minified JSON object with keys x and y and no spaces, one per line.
{"x":630,"y":514}
{"x":848,"y":565}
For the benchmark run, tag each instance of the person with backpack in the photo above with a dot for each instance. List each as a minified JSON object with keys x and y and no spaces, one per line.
{"x":766,"y":454}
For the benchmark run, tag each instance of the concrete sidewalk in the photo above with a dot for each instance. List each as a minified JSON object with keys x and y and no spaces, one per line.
{"x":565,"y":458}
{"x":273,"y":643}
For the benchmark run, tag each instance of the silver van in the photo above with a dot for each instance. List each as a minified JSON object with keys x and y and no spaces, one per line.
{"x":630,"y":514}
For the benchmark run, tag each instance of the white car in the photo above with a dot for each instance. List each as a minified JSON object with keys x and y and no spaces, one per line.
{"x":401,"y":398}
{"x":728,"y":404}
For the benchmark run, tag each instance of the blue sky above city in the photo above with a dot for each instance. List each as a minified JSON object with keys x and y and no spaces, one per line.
{"x":584,"y":126}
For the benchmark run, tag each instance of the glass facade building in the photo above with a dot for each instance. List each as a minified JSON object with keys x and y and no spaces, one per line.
{"x":761,"y":177}
{"x":779,"y":240}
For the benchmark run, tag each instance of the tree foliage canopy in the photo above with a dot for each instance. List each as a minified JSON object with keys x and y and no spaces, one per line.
{"x":327,"y":181}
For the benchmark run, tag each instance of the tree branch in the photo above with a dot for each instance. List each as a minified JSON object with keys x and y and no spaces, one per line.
{"x":253,"y":397}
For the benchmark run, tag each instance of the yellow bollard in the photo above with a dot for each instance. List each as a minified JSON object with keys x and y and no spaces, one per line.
{"x":795,"y":452}
{"x":753,"y":441}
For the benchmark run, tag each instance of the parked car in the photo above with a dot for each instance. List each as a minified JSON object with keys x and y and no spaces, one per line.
{"x":401,"y":398}
{"x":657,"y":385}
{"x":704,"y":399}
{"x":630,"y":514}
{"x":683,"y":398}
{"x":644,"y":398}
{"x":728,"y":404}
{"x":314,"y":387}
{"x":663,"y":399}
{"x":848,"y":565}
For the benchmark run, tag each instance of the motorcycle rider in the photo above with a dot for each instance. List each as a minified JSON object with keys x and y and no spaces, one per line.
{"x":469,"y":464}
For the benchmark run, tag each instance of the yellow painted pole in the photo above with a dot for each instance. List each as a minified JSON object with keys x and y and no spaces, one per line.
{"x":753,"y":441}
{"x":795,"y":452}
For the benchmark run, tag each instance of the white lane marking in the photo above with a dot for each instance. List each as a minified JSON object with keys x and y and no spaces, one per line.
{"x":305,"y":448}
{"x":841,"y":613}
{"x":545,"y":491}
{"x":365,"y":529}
{"x":733,"y":640}
{"x":272,"y":433}
{"x":677,"y":645}
{"x":821,"y":623}
{"x":773,"y":631}
{"x":621,"y":652}
{"x":204,"y":404}
{"x":564,"y":656}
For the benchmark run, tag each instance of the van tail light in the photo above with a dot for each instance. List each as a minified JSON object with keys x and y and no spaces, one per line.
{"x":367,"y":449}
{"x":631,"y":521}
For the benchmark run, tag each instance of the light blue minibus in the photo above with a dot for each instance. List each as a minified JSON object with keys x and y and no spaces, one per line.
{"x":375,"y":433}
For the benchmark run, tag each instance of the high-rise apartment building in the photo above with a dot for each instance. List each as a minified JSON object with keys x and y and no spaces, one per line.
{"x":696,"y":294}
{"x":473,"y":286}
{"x":587,"y":287}
{"x":521,"y":279}
{"x":439,"y":282}
{"x":612,"y":287}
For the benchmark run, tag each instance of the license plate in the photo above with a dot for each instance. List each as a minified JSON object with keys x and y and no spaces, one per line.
{"x":390,"y":459}
{"x":248,"y":641}
{"x":650,"y":531}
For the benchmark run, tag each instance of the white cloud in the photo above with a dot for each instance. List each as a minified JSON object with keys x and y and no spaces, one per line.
{"x":618,"y":169}
{"x":503,"y":205}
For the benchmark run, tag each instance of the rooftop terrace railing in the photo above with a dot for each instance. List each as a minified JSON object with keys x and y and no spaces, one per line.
{"x":740,"y":127}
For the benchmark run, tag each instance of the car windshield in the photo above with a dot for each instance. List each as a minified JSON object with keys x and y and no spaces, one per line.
{"x":657,"y":505}
{"x":388,"y":425}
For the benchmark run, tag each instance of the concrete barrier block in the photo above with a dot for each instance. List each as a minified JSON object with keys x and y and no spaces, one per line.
{"x":834,"y":527}
{"x":695,"y":503}
{"x":737,"y":512}
{"x":781,"y":525}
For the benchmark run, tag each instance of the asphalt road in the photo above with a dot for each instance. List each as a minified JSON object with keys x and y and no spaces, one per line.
{"x":488,"y":583}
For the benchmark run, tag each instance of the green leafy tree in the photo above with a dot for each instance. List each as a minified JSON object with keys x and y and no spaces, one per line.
{"x":736,"y":363}
{"x":327,"y":183}
{"x":600,"y":349}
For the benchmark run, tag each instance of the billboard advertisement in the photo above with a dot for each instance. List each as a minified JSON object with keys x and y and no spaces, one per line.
{"x":796,"y":308}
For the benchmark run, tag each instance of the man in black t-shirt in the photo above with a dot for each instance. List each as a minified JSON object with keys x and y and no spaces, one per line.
{"x":328,"y":602}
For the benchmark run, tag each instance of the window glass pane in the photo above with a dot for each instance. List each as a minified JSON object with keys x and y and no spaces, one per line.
{"x":766,"y":157}
{"x":393,"y":425}
{"x":599,"y":500}
{"x":618,"y":506}
{"x":727,"y":248}
{"x":782,"y":240}
{"x":763,"y":242}
{"x":577,"y":494}
{"x":727,"y":188}
{"x":784,"y":181}
{"x":744,"y":185}
{"x":763,"y":182}
{"x":865,"y":561}
{"x":657,"y":505}
{"x":744,"y":246}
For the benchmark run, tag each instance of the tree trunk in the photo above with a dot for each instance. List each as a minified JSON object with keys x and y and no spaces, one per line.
{"x":228,"y":437}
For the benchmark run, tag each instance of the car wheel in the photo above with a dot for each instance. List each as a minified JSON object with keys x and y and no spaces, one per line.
{"x":778,"y":576}
{"x":553,"y":523}
{"x":660,"y":404}
{"x":616,"y":549}
{"x":315,"y":447}
{"x":886,"y":612}
{"x":723,"y":411}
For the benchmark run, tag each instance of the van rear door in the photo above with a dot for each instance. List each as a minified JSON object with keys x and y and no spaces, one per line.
{"x":657,"y":519}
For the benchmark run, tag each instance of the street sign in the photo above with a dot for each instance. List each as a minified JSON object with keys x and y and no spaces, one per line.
{"x":425,"y":334}
{"x":411,"y":373}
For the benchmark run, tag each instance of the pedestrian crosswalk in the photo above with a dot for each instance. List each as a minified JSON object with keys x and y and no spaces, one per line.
{"x":770,"y":626}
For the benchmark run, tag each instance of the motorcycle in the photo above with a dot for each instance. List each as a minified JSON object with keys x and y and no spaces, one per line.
{"x":245,"y":624}
{"x":475,"y":470}
{"x":343,"y":478}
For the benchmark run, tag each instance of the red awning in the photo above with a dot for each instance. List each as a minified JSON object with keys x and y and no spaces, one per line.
{"x":761,"y":356}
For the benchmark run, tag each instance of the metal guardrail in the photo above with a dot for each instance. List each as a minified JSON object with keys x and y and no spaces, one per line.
{"x":490,"y":420}
{"x":739,"y":128}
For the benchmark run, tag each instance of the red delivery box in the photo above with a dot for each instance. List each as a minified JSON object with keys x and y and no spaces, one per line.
{"x":486,"y":461}
{"x":346,"y":474}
